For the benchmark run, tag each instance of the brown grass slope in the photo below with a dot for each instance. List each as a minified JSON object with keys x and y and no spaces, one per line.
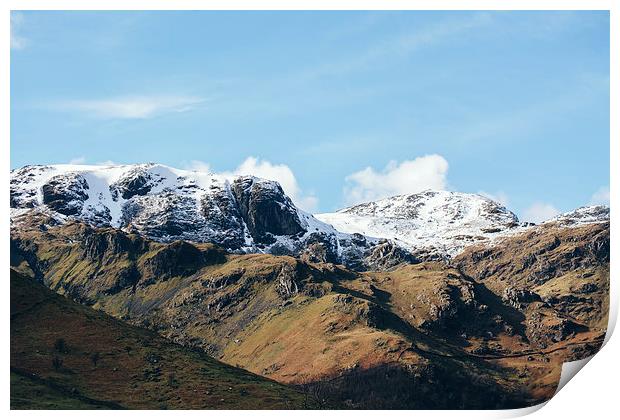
{"x":68,"y":356}
{"x":420,"y":336}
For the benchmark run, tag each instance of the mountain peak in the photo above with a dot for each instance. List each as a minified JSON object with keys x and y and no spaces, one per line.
{"x":582,"y":215}
{"x":444,"y":221}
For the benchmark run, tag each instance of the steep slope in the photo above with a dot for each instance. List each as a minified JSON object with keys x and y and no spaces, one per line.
{"x":242,"y":214}
{"x":549,"y":269}
{"x":442,"y":335}
{"x":68,"y":356}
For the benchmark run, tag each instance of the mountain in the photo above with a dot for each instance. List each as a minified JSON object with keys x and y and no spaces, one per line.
{"x":69,"y":356}
{"x":437,"y":222}
{"x":245,"y":214}
{"x":242,"y":214}
{"x":431,"y":300}
{"x":581,"y":216}
{"x":441,"y":224}
{"x":489,"y":328}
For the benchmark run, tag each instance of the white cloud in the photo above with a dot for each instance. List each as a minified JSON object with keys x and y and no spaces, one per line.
{"x":282,"y":174}
{"x":199,"y":166}
{"x":407,"y":177}
{"x":77,"y":160}
{"x":267,"y":170}
{"x":600,"y":197}
{"x":500,"y":196}
{"x":130,"y":107}
{"x":18,"y":42}
{"x":539,"y":212}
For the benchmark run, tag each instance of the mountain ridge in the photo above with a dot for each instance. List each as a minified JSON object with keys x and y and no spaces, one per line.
{"x":246,"y":214}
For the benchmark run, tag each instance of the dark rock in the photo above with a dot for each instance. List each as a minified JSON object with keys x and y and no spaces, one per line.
{"x":320,"y":248}
{"x":179,"y":258}
{"x":387,"y":255}
{"x":138,"y":181}
{"x":266,"y":210}
{"x":66,"y":194}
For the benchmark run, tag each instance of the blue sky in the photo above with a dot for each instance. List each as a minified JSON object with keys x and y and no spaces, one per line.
{"x":339,"y":106}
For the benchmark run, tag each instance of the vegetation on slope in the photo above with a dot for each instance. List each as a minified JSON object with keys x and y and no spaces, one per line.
{"x":69,"y":356}
{"x":473,"y":334}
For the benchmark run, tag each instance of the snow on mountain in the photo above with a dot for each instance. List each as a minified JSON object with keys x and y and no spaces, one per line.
{"x":436,"y":221}
{"x":242,"y":213}
{"x":582,"y":216}
{"x":249,"y":214}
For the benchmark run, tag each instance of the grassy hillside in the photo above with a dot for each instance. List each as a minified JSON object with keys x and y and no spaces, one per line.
{"x":69,"y":356}
{"x":488,"y":330}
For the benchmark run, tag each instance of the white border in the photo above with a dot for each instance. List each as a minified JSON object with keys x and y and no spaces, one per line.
{"x":593,"y":395}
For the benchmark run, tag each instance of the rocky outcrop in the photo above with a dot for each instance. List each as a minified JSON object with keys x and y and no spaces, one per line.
{"x":138,"y":181}
{"x":387,"y":255}
{"x":65,"y":194}
{"x":179,"y":258}
{"x":518,"y":298}
{"x":287,"y":283}
{"x":265,"y":209}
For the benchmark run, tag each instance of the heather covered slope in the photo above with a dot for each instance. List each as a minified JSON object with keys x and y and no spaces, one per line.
{"x":439,"y":334}
{"x":69,"y":356}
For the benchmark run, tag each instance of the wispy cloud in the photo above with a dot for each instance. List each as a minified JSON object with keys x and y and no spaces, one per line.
{"x":401,"y":45}
{"x":18,"y":42}
{"x":130,"y":107}
{"x":600,"y":197}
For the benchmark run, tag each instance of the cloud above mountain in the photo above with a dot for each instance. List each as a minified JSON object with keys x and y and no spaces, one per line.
{"x":600,"y":197}
{"x":130,"y":107}
{"x":406,"y":177}
{"x":261,"y":168}
{"x":539,"y":212}
{"x":281,"y":173}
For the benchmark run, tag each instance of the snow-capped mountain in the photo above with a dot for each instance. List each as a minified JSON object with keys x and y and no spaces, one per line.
{"x":582,"y":216}
{"x":249,"y":214}
{"x":242,"y":213}
{"x":442,"y":222}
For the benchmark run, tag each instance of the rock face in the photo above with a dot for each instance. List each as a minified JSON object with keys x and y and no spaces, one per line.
{"x":241,"y":214}
{"x":266,"y":210}
{"x":557,"y":276}
{"x":65,"y":194}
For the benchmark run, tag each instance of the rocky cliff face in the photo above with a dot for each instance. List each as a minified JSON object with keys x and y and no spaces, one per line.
{"x":557,"y":276}
{"x":241,"y":214}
